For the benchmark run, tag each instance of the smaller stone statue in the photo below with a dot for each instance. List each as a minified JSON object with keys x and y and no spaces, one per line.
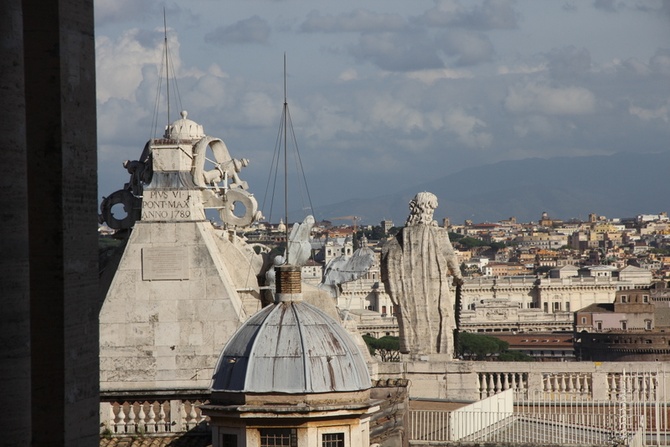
{"x":299,"y":244}
{"x":344,"y":269}
{"x":416,"y":269}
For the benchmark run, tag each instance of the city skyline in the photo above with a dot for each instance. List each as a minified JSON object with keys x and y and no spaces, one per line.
{"x":385,"y":95}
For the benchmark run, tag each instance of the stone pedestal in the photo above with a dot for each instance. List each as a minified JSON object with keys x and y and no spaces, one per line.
{"x":181,"y":289}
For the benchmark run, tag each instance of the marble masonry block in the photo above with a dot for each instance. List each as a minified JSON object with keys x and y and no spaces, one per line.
{"x":165,"y":362}
{"x":191,"y":334}
{"x":167,"y":311}
{"x":167,"y":333}
{"x":112,"y":334}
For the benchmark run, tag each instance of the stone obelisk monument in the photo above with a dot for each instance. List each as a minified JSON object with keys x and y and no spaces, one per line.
{"x":181,"y":285}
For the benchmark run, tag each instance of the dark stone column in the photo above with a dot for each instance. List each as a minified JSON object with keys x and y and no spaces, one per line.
{"x":14,"y":278}
{"x":59,"y":67}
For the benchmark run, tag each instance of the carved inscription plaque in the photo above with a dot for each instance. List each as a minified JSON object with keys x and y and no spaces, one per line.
{"x":164,"y":263}
{"x":168,"y":206}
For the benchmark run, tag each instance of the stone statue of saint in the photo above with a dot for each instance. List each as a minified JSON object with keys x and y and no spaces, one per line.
{"x":419,"y":269}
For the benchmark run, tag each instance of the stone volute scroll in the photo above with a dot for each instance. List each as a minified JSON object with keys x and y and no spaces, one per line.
{"x":178,"y":177}
{"x":419,"y":269}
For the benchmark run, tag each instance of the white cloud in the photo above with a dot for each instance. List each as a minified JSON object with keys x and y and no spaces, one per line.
{"x":470,"y":47}
{"x":661,"y":61}
{"x":349,"y":74}
{"x":390,"y":112}
{"x":396,"y":52}
{"x":109,"y":11}
{"x":259,"y":109}
{"x":550,"y":100}
{"x":659,"y":113}
{"x":359,"y":20}
{"x":490,"y":14}
{"x":431,"y":76}
{"x":119,"y":62}
{"x":534,"y":125}
{"x":522,"y":68}
{"x":251,"y":30}
{"x":470,"y":129}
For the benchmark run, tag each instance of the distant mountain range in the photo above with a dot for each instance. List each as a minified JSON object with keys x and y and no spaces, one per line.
{"x":620,"y":185}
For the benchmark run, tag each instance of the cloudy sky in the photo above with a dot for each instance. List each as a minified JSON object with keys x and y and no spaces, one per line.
{"x":384,"y":94}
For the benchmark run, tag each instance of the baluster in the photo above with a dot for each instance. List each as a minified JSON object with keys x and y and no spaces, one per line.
{"x":491,"y":388}
{"x":480,"y":386}
{"x":192,"y":417}
{"x":182,"y":415}
{"x":132,"y":424}
{"x":163,"y":426}
{"x":506,"y":381}
{"x":141,"y":416}
{"x":653,"y":383}
{"x":151,"y":423}
{"x":647,"y":386}
{"x":587,"y":385}
{"x":110,"y":426}
{"x":571,"y":383}
{"x":654,"y":386}
{"x":498,"y":383}
{"x":121,"y":424}
{"x":562,"y":385}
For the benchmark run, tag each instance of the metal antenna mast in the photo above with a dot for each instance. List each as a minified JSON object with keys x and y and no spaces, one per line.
{"x":285,"y":158}
{"x":167,"y":67}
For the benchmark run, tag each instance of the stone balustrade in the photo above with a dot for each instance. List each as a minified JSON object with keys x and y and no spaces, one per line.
{"x":539,"y":381}
{"x":151,"y":416}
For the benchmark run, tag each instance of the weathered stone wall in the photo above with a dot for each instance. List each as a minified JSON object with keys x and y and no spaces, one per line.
{"x":49,"y":275}
{"x":163,"y":325}
{"x":388,"y":424}
{"x":14,"y":263}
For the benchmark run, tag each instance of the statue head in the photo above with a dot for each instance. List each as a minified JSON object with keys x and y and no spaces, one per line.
{"x":421,"y":209}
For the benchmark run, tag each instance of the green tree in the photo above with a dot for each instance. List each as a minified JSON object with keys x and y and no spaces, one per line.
{"x":470,"y":242}
{"x":387,"y":348}
{"x":485,"y":347}
{"x":515,"y":356}
{"x":455,"y":236}
{"x":479,"y":347}
{"x":498,"y":245}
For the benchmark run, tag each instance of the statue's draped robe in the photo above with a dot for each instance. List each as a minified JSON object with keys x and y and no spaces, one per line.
{"x":415,"y":271}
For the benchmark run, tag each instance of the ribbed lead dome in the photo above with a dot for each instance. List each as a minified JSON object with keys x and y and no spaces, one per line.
{"x":291,"y":347}
{"x":184,"y":129}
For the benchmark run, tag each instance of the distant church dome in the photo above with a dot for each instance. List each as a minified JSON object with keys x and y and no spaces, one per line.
{"x":291,"y":347}
{"x":184,"y":129}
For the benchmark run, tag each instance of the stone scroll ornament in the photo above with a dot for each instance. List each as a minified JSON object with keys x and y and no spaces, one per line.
{"x":212,"y":174}
{"x":419,"y":269}
{"x":221,"y":186}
